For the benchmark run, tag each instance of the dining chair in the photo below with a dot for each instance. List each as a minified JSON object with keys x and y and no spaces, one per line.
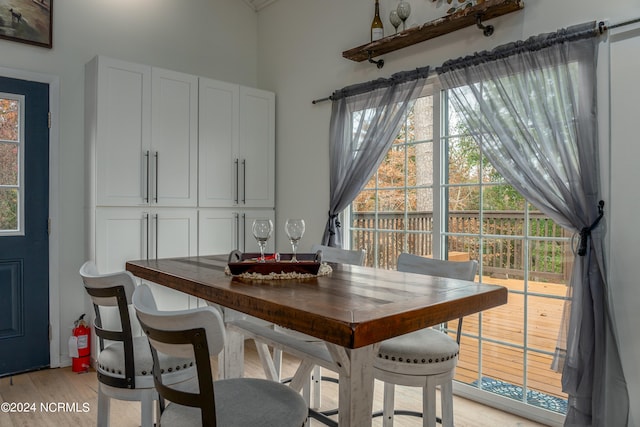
{"x":124,"y":363}
{"x":425,"y":358}
{"x":339,"y":255}
{"x":238,"y":402}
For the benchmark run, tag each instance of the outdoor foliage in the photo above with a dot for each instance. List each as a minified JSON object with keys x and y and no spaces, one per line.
{"x":398,"y":203}
{"x":9,"y":129}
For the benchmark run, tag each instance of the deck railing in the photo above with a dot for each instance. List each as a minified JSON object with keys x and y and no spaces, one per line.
{"x":502,"y":255}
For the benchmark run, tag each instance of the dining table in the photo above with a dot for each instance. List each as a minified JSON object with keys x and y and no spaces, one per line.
{"x":351,"y":310}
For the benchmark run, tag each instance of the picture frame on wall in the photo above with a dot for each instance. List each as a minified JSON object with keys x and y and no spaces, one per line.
{"x":27,"y":21}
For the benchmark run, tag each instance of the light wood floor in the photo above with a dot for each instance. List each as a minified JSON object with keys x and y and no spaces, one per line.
{"x":78,"y":392}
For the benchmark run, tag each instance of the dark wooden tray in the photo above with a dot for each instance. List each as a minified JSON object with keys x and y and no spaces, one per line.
{"x":248,"y":263}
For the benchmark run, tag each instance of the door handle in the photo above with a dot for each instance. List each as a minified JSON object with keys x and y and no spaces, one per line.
{"x":157,"y":234}
{"x":155,"y":199}
{"x":244,"y":232}
{"x":244,"y":181}
{"x":146,"y":219}
{"x":237,"y":180}
{"x":237,"y":217}
{"x":146,"y":197}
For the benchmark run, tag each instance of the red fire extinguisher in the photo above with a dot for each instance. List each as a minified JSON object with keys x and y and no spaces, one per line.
{"x":80,"y":346}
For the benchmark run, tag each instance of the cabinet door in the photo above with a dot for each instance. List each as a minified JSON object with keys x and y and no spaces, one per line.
{"x":173,"y":233}
{"x":218,"y":231}
{"x":218,"y":139}
{"x":120,"y":130}
{"x":121,"y":235}
{"x":257,"y":148}
{"x":174,"y":138}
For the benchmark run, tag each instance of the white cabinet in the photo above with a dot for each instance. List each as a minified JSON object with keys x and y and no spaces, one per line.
{"x":218,"y":143}
{"x":236,"y":146}
{"x":222,"y":230}
{"x":159,"y":146}
{"x":256,"y":148}
{"x":118,"y":130}
{"x":123,"y":234}
{"x":174,"y":139}
{"x":141,"y":129}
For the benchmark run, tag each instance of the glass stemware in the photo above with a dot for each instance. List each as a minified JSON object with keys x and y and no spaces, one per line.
{"x":295,"y":231}
{"x":394,"y":19}
{"x":262,"y":229}
{"x":404,"y":10}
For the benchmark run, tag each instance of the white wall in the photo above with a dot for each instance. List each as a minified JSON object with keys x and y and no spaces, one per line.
{"x":625,"y":204}
{"x":300,"y":47}
{"x":214,"y":38}
{"x":300,"y":58}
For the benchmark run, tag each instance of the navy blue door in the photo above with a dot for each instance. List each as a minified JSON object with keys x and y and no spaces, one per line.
{"x":24,"y":231}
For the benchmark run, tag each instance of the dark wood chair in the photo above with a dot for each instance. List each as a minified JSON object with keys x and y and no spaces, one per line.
{"x":238,"y":402}
{"x":124,"y":362}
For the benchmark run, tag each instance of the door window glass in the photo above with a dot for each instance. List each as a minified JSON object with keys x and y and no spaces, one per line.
{"x":11,"y":166}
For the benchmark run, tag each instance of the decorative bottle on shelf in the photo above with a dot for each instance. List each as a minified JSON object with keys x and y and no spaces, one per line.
{"x":377,"y":30}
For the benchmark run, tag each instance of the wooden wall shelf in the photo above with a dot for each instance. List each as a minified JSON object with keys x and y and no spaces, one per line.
{"x":464,"y":18}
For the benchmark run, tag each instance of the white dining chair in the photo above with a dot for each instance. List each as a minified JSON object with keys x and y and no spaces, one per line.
{"x":339,"y":255}
{"x":237,"y":402}
{"x":425,"y":358}
{"x":124,"y":363}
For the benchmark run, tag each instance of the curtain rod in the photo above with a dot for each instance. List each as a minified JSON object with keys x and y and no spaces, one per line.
{"x":317,"y":101}
{"x":602,"y":27}
{"x":620,"y":24}
{"x":357,"y":88}
{"x":360,"y":88}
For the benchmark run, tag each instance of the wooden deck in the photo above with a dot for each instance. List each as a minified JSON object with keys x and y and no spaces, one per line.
{"x":507,"y":324}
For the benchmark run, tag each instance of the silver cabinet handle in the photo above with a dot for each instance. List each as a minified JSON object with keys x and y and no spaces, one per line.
{"x":244,"y":181}
{"x":244,"y":232}
{"x":146,"y":197}
{"x":237,"y":218}
{"x":155,"y":199}
{"x":146,"y":220}
{"x":237,"y":180}
{"x":157,"y":234}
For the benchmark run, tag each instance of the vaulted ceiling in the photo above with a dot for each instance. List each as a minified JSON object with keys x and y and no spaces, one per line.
{"x":258,"y":4}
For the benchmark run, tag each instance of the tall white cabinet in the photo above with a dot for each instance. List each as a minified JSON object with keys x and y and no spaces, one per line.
{"x":236,"y":164}
{"x":143,"y":156}
{"x":177,"y":165}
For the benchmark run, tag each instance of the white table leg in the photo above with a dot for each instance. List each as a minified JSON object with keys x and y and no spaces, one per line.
{"x":356,"y":388}
{"x":232,"y":365}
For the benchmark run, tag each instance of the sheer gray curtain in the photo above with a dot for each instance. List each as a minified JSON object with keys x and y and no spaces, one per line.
{"x":365,"y":118}
{"x":534,"y":107}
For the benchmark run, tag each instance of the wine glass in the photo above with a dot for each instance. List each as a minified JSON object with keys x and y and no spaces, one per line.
{"x":394,"y":19}
{"x":262,"y":229}
{"x":404,"y":10}
{"x":295,"y":230}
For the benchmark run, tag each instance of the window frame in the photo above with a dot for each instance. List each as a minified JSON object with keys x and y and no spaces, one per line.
{"x":20,"y":143}
{"x":439,"y":235}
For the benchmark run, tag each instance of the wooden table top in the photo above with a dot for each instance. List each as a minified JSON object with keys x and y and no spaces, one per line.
{"x":352,"y":306}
